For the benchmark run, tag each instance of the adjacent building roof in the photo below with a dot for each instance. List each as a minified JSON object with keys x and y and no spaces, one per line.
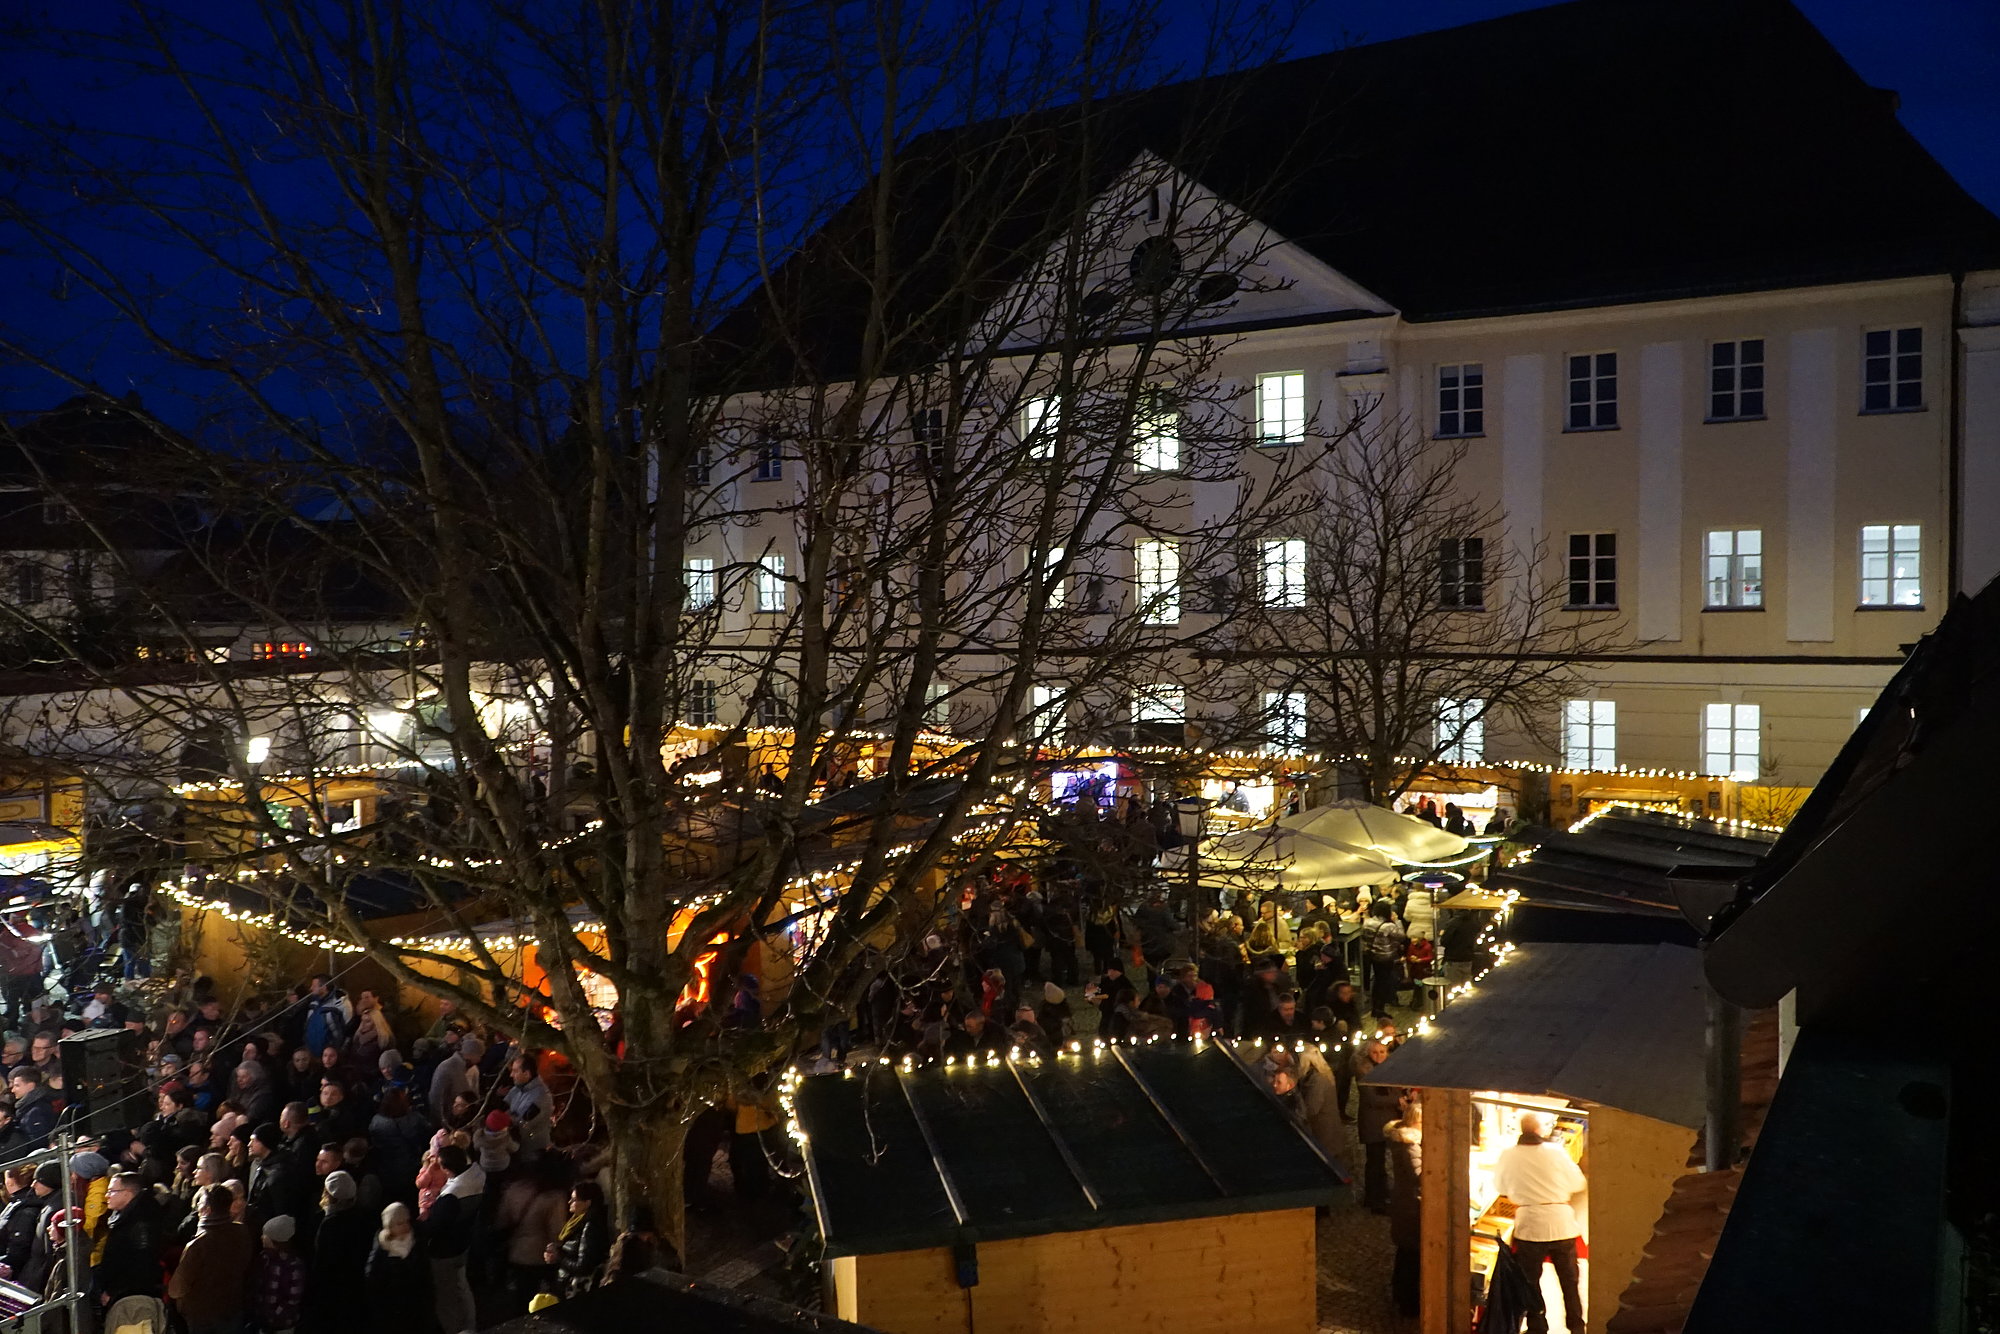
{"x":1593,"y":153}
{"x":1623,"y":859}
{"x":1618,"y":1025}
{"x":907,"y":1161}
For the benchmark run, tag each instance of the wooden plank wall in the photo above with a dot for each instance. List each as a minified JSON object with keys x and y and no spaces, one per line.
{"x":1219,"y":1275}
{"x":1632,"y":1162}
{"x":1445,"y":1255}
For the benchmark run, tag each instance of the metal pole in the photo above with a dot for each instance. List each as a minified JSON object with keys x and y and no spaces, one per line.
{"x":1725,"y":1079}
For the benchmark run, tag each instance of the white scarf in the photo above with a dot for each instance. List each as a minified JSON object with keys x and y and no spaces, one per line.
{"x":399,"y":1247}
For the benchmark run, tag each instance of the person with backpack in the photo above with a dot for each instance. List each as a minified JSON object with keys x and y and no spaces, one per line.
{"x":1383,"y":944}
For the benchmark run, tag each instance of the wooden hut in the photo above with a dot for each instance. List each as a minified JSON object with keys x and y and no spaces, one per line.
{"x":1109,"y":1188}
{"x":1609,"y":1041}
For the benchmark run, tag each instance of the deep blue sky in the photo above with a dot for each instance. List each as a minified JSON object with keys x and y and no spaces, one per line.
{"x":1941,"y":56}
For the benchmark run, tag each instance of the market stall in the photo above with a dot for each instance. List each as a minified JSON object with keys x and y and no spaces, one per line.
{"x":1606,"y":1041}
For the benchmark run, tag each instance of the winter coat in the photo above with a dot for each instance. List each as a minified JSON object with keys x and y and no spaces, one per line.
{"x":581,"y":1250}
{"x":214,"y":1274}
{"x":1406,"y":1178}
{"x":338,"y":1269}
{"x":17,"y":1229}
{"x":36,"y":1115}
{"x":399,"y":1291}
{"x":133,"y":1242}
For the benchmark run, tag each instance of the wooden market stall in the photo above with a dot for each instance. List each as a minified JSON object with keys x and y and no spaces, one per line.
{"x":1129,"y":1187}
{"x":1608,"y":1040}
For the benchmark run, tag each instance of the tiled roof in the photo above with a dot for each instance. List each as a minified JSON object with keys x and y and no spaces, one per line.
{"x":1676,"y":1259}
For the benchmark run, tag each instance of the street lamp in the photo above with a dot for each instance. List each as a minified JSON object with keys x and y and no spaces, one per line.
{"x":1189,"y":813}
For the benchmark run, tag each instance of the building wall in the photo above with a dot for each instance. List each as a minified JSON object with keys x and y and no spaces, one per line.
{"x":1241,"y":1272}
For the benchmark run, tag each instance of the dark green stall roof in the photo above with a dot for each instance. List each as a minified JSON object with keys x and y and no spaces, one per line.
{"x":909,"y":1160}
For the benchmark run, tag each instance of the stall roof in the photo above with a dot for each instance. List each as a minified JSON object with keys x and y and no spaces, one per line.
{"x":661,"y":1299}
{"x":1622,"y":859}
{"x":1620,"y":1025}
{"x":1130,"y":1135}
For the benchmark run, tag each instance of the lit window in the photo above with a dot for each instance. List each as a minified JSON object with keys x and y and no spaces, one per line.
{"x":937,"y":706}
{"x":1281,"y":408}
{"x":1736,"y":567}
{"x":1890,"y":565}
{"x":770,"y":462}
{"x":1462,"y":573}
{"x":1162,"y":702}
{"x":1861,"y":715}
{"x":701,"y":704}
{"x":1285,"y":719}
{"x":1047,"y":719}
{"x":771,"y":584}
{"x":1593,"y":570}
{"x":1462,"y":399}
{"x":1892,"y":370}
{"x":1156,"y":571}
{"x":700,"y":582}
{"x":1593,"y":391}
{"x":1284,"y":572}
{"x":1736,"y":380}
{"x":268,"y":650}
{"x":257,"y":749}
{"x":1158,"y":446}
{"x":1052,"y":583}
{"x":1461,"y":731}
{"x":1590,"y":734}
{"x":1730,"y":735}
{"x":1041,"y":419}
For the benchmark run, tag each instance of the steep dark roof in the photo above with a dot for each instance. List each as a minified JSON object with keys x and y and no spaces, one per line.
{"x":887,"y":1150}
{"x":1591,"y":153}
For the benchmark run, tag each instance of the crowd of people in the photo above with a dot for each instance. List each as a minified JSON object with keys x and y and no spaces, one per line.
{"x":288,"y":1166}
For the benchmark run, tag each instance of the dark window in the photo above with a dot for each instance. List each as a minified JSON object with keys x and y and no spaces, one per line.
{"x":770,"y":461}
{"x":701,"y":709}
{"x":1892,"y":370}
{"x":1593,"y":391}
{"x":1461,"y":399}
{"x":1155,"y":263}
{"x":1736,"y":380}
{"x":774,"y":710}
{"x":927,"y":430}
{"x":1593,"y":569}
{"x":30,"y":583}
{"x":701,"y":466}
{"x":1462,"y":572}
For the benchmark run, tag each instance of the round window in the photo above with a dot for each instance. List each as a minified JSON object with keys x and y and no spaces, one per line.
{"x":1155,"y":263}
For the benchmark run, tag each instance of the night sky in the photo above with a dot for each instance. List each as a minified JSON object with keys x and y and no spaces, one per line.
{"x":1941,"y":56}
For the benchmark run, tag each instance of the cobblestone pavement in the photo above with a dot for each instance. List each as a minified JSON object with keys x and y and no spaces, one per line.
{"x":1354,"y":1261}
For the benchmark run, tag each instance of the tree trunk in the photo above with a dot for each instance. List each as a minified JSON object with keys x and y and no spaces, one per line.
{"x":648,"y":1158}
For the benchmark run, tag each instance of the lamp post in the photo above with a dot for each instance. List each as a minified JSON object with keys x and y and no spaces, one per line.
{"x":1188,"y":819}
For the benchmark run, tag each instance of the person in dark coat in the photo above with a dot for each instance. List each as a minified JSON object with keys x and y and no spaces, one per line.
{"x":1306,"y":1093}
{"x":17,"y":1222}
{"x":581,"y":1248}
{"x":398,"y":1277}
{"x":274,"y":1177}
{"x":133,"y":1240}
{"x":1406,"y":1188}
{"x":1380,"y":1104}
{"x":339,"y":1257}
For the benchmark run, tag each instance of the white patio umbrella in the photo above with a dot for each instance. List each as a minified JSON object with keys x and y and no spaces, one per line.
{"x":1375,"y":830}
{"x":1269,"y":854}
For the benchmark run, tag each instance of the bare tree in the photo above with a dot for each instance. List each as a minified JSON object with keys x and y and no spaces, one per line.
{"x":523,"y":333}
{"x":1399,"y":621}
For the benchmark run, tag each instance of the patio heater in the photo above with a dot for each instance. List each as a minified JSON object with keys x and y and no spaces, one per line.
{"x":1189,"y":816}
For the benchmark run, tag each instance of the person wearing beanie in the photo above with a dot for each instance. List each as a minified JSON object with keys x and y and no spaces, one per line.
{"x":339,"y":1257}
{"x":274,"y":1177}
{"x":278,"y":1286}
{"x":90,"y":1184}
{"x":1054,"y":1015}
{"x":496,"y":1145}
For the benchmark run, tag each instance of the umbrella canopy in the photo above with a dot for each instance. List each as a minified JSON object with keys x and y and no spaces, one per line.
{"x":1373,"y":830}
{"x":1305,"y":860}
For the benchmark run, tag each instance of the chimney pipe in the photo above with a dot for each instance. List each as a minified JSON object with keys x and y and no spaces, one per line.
{"x":1723,"y":1132}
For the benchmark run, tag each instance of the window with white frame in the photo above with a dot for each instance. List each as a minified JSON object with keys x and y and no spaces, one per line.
{"x":1462,"y":399}
{"x":1281,"y":408}
{"x":1284,"y":572}
{"x":1593,"y":570}
{"x":1892,"y":370}
{"x":702,"y":698}
{"x":1157,"y":446}
{"x":937,"y":706}
{"x":1735,"y":567}
{"x":1161,"y":702}
{"x":701,"y":465}
{"x":1890,"y":565}
{"x":1156,"y":577}
{"x":1462,"y":573}
{"x":1041,"y":418}
{"x":1285,"y":720}
{"x":701,"y":582}
{"x":1051,"y":582}
{"x":771,"y":584}
{"x":1731,"y":737}
{"x":1593,"y":391}
{"x":1461,"y":731}
{"x":1047,"y":719}
{"x":1590,"y":734}
{"x":928,"y":434}
{"x":1736,"y":380}
{"x":770,"y":461}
